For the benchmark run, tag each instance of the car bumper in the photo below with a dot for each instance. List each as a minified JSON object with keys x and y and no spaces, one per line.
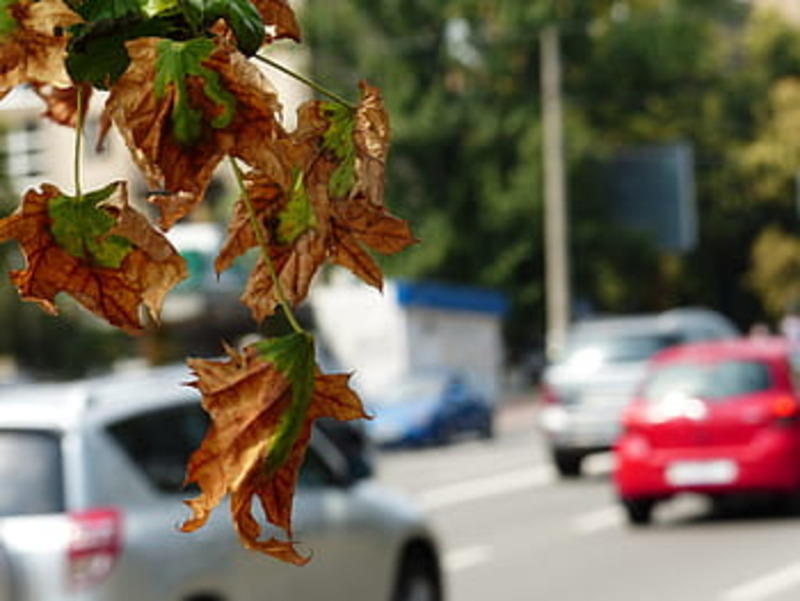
{"x":769,"y":464}
{"x":576,"y":431}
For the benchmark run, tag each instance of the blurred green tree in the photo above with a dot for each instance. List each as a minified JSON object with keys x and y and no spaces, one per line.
{"x":775,"y":271}
{"x":461,"y":79}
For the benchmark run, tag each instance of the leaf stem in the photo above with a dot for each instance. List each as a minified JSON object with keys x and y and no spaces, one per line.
{"x":264,"y":246}
{"x":303,"y":79}
{"x":78,"y":158}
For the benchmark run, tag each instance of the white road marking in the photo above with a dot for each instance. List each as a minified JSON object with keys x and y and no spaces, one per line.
{"x":484,"y":488}
{"x":600,"y":464}
{"x":767,"y":586}
{"x":466,"y":557}
{"x":600,"y":519}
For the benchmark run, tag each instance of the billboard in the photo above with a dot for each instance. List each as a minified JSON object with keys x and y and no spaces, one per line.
{"x":652,"y":189}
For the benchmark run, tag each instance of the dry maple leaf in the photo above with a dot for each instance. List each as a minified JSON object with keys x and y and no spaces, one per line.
{"x":295,"y":242}
{"x":180,"y":130}
{"x":62,"y":103}
{"x":279,"y":18}
{"x":97,"y":249}
{"x":357,"y":224}
{"x":34,"y":50}
{"x":371,"y":135}
{"x":316,"y":196}
{"x":262,"y":408}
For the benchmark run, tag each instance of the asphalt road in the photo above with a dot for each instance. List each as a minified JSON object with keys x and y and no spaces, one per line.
{"x":512,"y":531}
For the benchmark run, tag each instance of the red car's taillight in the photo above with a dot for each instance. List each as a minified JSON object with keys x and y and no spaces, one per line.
{"x":632,"y":417}
{"x":95,"y":543}
{"x":785,"y":409}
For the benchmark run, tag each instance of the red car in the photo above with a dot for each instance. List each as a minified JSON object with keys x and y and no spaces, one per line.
{"x":713,"y":418}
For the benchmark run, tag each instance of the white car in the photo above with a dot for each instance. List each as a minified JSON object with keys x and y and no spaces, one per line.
{"x":91,"y":500}
{"x":585,"y":390}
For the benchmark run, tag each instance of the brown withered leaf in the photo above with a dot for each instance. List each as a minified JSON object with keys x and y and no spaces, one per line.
{"x":143,"y":120}
{"x":255,"y":129}
{"x":266,"y":200}
{"x":295,"y":266}
{"x":62,"y":103}
{"x":179,"y":172}
{"x":148,"y":266}
{"x":342,"y":230}
{"x":295,"y":263}
{"x":279,"y":18}
{"x":35,"y":51}
{"x":357,"y":224}
{"x":246,"y":397}
{"x":371,"y":136}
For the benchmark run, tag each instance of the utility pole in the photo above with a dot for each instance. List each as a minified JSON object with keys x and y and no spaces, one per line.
{"x":557,"y":288}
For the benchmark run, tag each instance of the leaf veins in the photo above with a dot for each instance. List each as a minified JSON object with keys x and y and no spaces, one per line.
{"x":95,"y":248}
{"x":212,"y":97}
{"x":32,"y":49}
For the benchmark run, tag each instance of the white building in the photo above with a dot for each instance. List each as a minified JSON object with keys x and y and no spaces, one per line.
{"x":409,"y":326}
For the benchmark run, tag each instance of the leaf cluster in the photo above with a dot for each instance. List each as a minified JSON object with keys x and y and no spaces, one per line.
{"x":186,"y":90}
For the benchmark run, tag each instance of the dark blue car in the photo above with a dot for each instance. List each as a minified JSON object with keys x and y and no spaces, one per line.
{"x":430,"y":408}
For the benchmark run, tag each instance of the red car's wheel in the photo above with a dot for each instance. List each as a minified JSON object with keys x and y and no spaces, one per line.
{"x":639,"y":511}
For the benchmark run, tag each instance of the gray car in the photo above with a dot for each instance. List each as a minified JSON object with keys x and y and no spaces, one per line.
{"x":92,"y":477}
{"x":585,"y":389}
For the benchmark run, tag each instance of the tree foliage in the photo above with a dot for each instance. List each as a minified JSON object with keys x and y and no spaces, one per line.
{"x":186,"y":90}
{"x":462,"y":81}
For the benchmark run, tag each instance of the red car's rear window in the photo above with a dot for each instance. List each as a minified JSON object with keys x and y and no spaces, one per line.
{"x":713,"y":380}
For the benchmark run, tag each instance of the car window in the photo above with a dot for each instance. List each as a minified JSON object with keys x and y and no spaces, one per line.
{"x":707,"y":380}
{"x":31,"y":473}
{"x":415,"y":387}
{"x":160,"y":443}
{"x":314,"y":472}
{"x":617,"y":347}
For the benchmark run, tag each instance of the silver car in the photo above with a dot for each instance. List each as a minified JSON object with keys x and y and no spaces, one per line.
{"x":92,"y":476}
{"x":585,"y":389}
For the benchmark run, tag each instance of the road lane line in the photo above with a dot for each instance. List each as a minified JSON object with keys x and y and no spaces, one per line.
{"x":466,"y":557}
{"x":595,"y":521}
{"x":484,"y":488}
{"x":766,"y":586}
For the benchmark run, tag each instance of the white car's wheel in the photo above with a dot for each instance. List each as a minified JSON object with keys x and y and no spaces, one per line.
{"x":418,"y":580}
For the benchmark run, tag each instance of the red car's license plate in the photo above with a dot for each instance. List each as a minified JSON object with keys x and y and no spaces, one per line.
{"x":692,"y":473}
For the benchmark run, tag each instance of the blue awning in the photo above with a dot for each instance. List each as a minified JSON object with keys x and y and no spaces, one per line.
{"x":455,"y":298}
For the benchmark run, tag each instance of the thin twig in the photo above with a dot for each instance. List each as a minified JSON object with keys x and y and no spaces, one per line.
{"x":303,"y":79}
{"x":78,"y":158}
{"x":264,"y":246}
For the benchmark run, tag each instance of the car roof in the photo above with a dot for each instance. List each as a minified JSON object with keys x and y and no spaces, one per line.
{"x":769,"y":348}
{"x":666,"y":320}
{"x":64,"y":405}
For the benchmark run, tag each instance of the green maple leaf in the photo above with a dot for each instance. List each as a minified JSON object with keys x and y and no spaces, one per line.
{"x":242,"y":17}
{"x":175,"y":62}
{"x":81,"y":228}
{"x":155,"y":7}
{"x":298,"y":215}
{"x":8,"y":24}
{"x":96,"y":10}
{"x":338,"y":139}
{"x":97,"y":52}
{"x":293,"y":356}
